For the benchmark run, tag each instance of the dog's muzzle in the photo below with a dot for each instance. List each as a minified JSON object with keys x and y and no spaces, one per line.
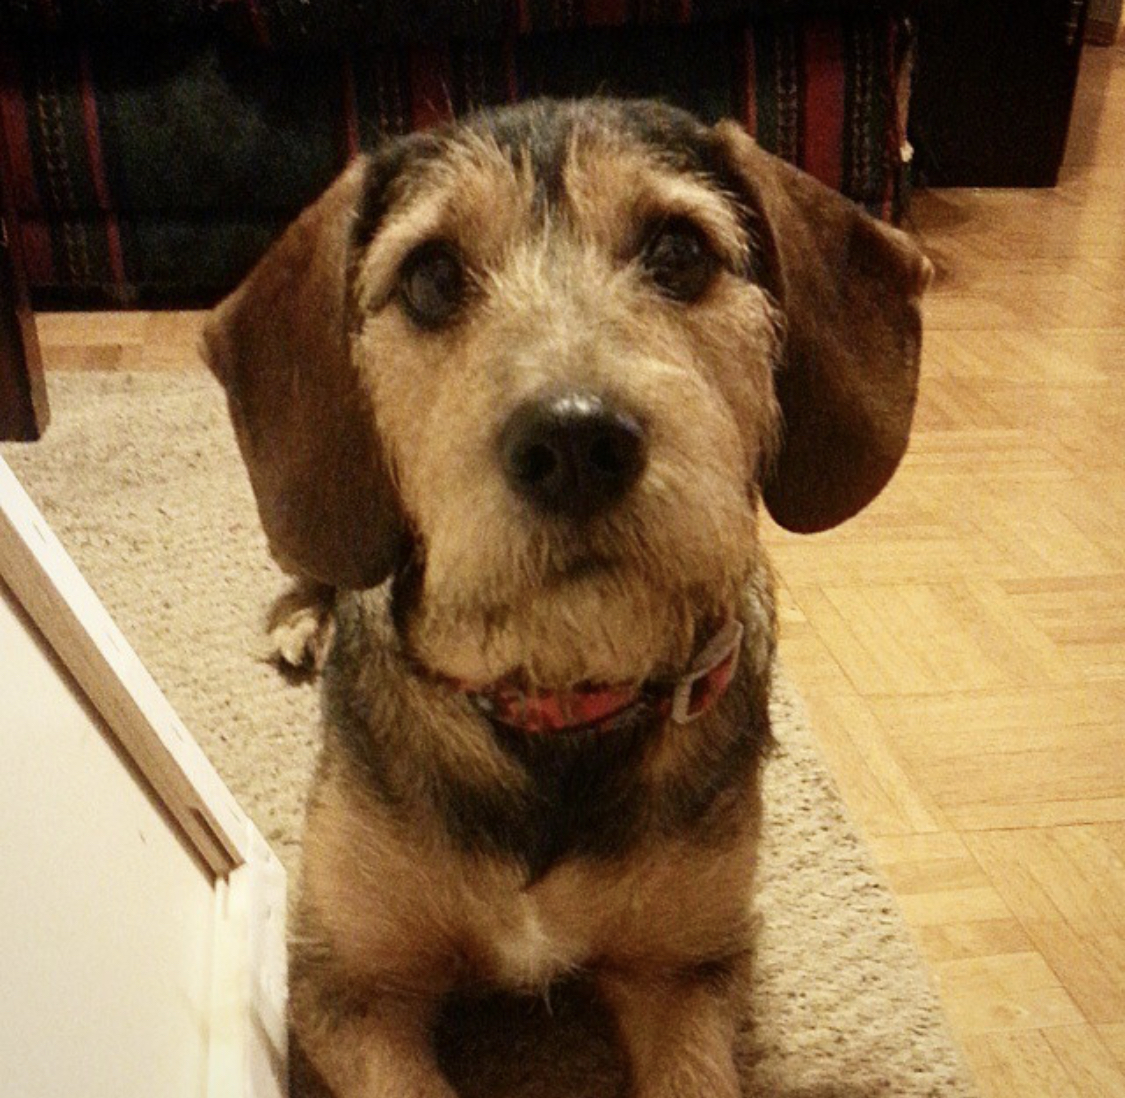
{"x":572,"y":454}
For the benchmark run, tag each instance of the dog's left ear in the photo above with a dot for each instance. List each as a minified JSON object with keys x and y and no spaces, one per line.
{"x":849,"y":287}
{"x":280,"y":346}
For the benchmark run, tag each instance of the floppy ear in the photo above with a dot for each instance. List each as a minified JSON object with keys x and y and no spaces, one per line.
{"x":280,"y":346}
{"x":849,"y":288}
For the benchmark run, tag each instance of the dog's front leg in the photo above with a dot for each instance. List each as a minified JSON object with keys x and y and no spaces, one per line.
{"x":678,"y":1035}
{"x":369,"y":1047}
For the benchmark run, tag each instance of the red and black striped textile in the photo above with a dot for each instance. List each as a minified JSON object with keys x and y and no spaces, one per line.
{"x":157,"y":167}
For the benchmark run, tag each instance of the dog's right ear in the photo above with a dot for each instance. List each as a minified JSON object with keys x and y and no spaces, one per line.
{"x":280,"y":346}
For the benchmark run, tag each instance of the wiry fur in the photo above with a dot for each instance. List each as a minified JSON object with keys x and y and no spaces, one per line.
{"x":556,"y":307}
{"x":445,"y":854}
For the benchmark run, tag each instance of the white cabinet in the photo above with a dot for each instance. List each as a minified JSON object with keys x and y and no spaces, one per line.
{"x":141,"y":913}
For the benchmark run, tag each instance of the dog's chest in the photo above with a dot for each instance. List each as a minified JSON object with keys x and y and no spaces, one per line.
{"x":524,"y":936}
{"x":527,"y":944}
{"x":666,"y":907}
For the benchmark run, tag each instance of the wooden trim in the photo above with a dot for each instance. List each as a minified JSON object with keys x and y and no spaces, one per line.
{"x":61,"y":603}
{"x":248,"y":1022}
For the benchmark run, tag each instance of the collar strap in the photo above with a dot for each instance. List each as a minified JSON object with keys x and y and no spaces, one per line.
{"x":598,"y":707}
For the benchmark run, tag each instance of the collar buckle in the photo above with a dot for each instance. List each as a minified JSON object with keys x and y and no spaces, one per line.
{"x":709,"y":676}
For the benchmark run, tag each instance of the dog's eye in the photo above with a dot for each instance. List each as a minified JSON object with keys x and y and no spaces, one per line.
{"x":679,"y":259}
{"x":432,"y":284}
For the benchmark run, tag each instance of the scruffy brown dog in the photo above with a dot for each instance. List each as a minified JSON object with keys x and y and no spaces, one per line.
{"x":514,"y":390}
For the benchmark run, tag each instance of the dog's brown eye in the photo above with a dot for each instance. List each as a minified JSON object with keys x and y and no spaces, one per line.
{"x":679,"y":259}
{"x":432,"y":284}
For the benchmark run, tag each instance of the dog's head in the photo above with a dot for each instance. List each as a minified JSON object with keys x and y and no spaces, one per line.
{"x":555,"y":355}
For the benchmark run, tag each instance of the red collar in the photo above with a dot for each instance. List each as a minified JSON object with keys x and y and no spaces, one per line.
{"x":598,"y":707}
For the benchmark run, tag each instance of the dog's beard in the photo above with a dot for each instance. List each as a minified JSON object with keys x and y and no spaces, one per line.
{"x":623,"y":598}
{"x":600,"y":628}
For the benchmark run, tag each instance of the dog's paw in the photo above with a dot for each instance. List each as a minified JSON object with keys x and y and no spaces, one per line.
{"x":301,"y":628}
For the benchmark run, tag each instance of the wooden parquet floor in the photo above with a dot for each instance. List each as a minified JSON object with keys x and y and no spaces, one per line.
{"x":961,"y":645}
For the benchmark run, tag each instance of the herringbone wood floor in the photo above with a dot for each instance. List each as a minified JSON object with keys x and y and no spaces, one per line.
{"x":961,"y":645}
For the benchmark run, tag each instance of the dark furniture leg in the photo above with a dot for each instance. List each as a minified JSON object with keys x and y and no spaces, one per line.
{"x":23,"y":393}
{"x":993,"y":91}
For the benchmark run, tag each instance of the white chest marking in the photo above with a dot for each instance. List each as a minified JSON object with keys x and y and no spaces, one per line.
{"x":527,"y":954}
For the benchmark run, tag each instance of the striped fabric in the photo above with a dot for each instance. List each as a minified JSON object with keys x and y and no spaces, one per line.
{"x":101,"y":15}
{"x":160,"y":175}
{"x":286,"y":23}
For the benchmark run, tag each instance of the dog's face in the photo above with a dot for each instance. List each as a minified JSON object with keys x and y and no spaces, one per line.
{"x":554,"y":356}
{"x":570,"y":364}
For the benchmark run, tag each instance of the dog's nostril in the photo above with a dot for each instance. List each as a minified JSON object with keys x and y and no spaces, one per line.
{"x":536,"y":463}
{"x":571,"y":455}
{"x":618,"y":452}
{"x":605,"y":454}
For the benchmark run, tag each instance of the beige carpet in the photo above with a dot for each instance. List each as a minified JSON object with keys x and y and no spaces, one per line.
{"x":140,"y":478}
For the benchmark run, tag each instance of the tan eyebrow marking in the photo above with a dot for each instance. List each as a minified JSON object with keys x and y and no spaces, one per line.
{"x":616,"y":191}
{"x":473,"y":196}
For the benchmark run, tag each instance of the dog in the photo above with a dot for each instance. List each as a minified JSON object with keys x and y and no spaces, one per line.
{"x":510,"y":395}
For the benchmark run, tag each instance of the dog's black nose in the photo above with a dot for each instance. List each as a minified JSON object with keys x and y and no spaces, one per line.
{"x":572,"y":454}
